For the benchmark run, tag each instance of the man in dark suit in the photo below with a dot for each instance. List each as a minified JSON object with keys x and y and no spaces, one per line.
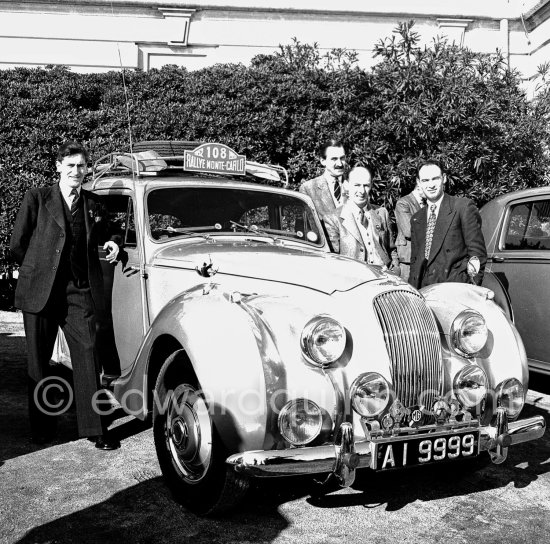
{"x":60,"y":285}
{"x":446,"y":240}
{"x":360,"y":230}
{"x":327,"y":191}
{"x":405,"y":208}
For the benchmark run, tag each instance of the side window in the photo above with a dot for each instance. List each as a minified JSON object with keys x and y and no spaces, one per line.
{"x":529,"y":226}
{"x":116,"y":220}
{"x":298,"y":220}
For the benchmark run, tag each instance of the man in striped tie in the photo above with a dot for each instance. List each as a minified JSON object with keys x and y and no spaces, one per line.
{"x":327,"y":191}
{"x":60,"y":284}
{"x":446,"y":240}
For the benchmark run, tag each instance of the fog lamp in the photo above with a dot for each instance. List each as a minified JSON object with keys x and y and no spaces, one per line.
{"x":511,"y":396}
{"x":300,"y":421}
{"x":370,"y":394}
{"x":470,"y":386}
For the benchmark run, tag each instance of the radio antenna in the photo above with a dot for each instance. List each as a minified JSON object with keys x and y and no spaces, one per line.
{"x":140,"y":220}
{"x":126,"y":101}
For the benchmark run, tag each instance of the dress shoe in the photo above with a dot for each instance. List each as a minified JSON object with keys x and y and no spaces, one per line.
{"x":106,"y":442}
{"x":107,"y":379}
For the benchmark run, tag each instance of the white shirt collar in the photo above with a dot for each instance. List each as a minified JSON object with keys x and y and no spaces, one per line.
{"x":66,"y":191}
{"x":437,"y":206}
{"x":331,"y":179}
{"x":355,"y":209}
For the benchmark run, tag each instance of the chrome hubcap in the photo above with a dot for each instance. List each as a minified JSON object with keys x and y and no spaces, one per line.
{"x":189,"y":433}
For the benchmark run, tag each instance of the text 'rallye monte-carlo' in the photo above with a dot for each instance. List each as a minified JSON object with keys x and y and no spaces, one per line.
{"x":260,"y":353}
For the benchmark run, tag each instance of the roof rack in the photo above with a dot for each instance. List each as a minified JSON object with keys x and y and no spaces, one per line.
{"x":150,"y":158}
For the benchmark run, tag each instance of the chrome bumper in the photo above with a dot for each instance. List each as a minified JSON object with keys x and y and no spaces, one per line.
{"x":346,"y":455}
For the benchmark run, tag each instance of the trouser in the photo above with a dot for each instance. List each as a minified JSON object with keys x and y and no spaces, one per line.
{"x":405,"y":270}
{"x":72,"y":309}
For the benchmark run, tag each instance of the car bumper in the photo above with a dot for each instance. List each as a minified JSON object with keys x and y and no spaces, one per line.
{"x":346,"y":454}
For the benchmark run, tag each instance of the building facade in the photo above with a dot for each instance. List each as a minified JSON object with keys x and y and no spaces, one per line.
{"x":101,"y":35}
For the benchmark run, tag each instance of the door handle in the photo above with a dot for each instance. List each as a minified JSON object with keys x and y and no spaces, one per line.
{"x":497,"y":259}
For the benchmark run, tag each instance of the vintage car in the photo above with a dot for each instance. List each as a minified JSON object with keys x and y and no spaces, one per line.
{"x":260,"y":353}
{"x":516,"y":227}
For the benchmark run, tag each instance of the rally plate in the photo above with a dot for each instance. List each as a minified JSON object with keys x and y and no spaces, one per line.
{"x":425,"y":449}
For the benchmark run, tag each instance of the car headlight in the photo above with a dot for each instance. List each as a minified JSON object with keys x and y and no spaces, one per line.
{"x":300,"y":421}
{"x":470,"y":386}
{"x":370,"y":394}
{"x":511,"y":396}
{"x":323,"y":340}
{"x":469,"y":333}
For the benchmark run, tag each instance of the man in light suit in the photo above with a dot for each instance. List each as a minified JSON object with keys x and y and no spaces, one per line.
{"x":60,"y":285}
{"x":405,"y":208}
{"x":327,"y":191}
{"x":360,"y":230}
{"x":447,"y":244}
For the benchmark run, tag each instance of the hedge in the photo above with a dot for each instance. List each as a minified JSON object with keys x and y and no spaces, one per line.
{"x":464,"y":108}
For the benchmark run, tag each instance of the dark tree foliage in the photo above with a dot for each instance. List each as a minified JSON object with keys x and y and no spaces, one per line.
{"x":466,"y":109}
{"x":442,"y":101}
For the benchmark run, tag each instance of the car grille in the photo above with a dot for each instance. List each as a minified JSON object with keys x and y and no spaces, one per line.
{"x":413,"y":344}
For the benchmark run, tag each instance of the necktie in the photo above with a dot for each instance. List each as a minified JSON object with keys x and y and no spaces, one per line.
{"x":74,"y":204}
{"x":337,"y":191}
{"x":430,"y":231}
{"x":363,"y":218}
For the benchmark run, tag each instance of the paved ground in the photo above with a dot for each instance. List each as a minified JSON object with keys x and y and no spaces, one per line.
{"x":71,"y":492}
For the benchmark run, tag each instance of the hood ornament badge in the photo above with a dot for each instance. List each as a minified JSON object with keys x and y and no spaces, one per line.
{"x":206,"y":269}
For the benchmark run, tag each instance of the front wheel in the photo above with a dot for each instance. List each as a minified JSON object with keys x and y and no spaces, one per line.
{"x":190,"y":452}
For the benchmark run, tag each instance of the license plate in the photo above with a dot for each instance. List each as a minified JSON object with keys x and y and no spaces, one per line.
{"x":408,"y":451}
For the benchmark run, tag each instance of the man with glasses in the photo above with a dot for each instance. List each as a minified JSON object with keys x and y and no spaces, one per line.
{"x":447,"y":244}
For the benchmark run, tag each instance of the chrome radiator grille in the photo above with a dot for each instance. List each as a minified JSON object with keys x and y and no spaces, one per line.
{"x":413,"y":345}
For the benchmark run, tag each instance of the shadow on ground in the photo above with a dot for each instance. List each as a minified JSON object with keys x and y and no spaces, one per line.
{"x":147,"y":513}
{"x":14,"y":420}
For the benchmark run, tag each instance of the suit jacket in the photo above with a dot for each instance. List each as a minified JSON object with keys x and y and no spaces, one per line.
{"x":457,"y":237}
{"x":346,"y":238}
{"x":37,"y":242}
{"x":405,"y":208}
{"x":319,"y":190}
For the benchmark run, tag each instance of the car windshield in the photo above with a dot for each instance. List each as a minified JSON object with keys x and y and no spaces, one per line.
{"x":208,"y":211}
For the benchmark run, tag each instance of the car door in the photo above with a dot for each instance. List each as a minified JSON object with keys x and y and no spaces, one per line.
{"x":123,"y":287}
{"x":521,"y":260}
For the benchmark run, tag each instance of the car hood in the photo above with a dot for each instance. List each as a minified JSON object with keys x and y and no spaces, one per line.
{"x":325,"y":272}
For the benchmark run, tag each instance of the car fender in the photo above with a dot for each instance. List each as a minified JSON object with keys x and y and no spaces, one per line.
{"x":492,"y":281}
{"x":503,"y":356}
{"x":224,"y":346}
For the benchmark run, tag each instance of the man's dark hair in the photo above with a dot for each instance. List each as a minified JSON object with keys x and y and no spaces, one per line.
{"x":72,"y":147}
{"x":331,"y":142}
{"x":429,"y":162}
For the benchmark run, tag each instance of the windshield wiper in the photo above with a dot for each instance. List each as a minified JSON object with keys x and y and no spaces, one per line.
{"x":253,"y":229}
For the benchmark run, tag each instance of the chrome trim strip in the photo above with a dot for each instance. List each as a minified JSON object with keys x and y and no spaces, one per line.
{"x":319,"y":459}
